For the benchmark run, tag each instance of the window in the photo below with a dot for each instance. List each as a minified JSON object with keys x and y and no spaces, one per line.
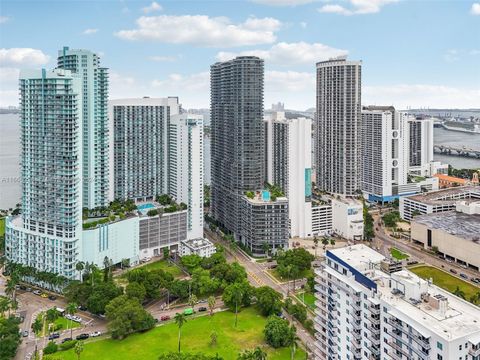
{"x":439,"y":345}
{"x":460,"y":347}
{"x":439,"y":357}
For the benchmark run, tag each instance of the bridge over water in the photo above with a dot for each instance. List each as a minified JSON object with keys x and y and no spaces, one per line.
{"x":456,"y":151}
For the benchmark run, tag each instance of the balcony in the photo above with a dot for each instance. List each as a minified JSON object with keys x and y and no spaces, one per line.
{"x":474,"y":351}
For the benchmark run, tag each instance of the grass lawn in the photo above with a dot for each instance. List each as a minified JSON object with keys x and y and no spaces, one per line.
{"x":160,"y":264}
{"x":195,"y":338}
{"x":2,"y":226}
{"x":308,"y":299}
{"x":303,"y":274}
{"x":445,"y":280}
{"x":64,"y":323}
{"x":397,"y":254}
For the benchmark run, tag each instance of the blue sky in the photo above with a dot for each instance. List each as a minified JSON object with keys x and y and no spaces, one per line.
{"x":415,"y":53}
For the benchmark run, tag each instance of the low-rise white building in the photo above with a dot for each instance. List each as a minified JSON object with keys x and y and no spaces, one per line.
{"x":322,"y":222}
{"x":365,"y":313}
{"x":347,"y":215}
{"x":201,"y":247}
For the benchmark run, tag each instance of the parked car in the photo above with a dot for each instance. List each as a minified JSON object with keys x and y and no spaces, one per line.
{"x":28,"y":289}
{"x":44,"y":295}
{"x":83,"y":308}
{"x":53,"y":336}
{"x":82,"y":336}
{"x":147,"y":259}
{"x":165,"y":318}
{"x":25,"y":333}
{"x":463,"y":276}
{"x":77,"y":319}
{"x":37,"y":292}
{"x":66,"y":339}
{"x":95,"y":334}
{"x":202,"y":308}
{"x":23,"y":287}
{"x":52,"y":297}
{"x":453,"y":271}
{"x":464,"y":266}
{"x":476,"y":280}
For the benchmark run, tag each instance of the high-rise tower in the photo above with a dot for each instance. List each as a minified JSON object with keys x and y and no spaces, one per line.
{"x":94,"y":122}
{"x":238,"y":148}
{"x":338,"y":122}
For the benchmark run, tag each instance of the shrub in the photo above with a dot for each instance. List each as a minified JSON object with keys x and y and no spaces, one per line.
{"x":152,"y":212}
{"x":67,"y":345}
{"x":51,"y":348}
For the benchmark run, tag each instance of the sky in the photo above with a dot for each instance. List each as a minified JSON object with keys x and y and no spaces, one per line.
{"x":415,"y":53}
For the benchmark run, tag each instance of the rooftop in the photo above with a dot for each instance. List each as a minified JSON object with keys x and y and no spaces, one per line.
{"x":453,"y":222}
{"x":459,"y":318}
{"x":197,"y":243}
{"x":447,"y":196}
{"x":451,"y":178}
{"x":358,"y":256}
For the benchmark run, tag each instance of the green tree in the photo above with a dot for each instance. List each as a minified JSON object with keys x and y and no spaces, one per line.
{"x":71,"y":310}
{"x":166,"y":253}
{"x":213,"y":338}
{"x":180,"y":319}
{"x":325,"y":242}
{"x":51,"y":315}
{"x":236,"y":295}
{"x":51,"y":348}
{"x":9,"y":337}
{"x":191,"y":262}
{"x":80,"y":266}
{"x":125,"y":316}
{"x":256,"y":354}
{"x":211,"y":304}
{"x":460,"y":293}
{"x":277,"y":332}
{"x":135,"y":290}
{"x":192,"y":301}
{"x":78,"y":349}
{"x":315,"y":242}
{"x":5,"y":304}
{"x":268,"y":300}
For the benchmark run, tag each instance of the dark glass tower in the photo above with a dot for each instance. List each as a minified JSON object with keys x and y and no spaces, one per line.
{"x":238,"y":142}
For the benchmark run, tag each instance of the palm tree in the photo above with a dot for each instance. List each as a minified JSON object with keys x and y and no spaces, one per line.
{"x":180,"y":319}
{"x":11,"y":286}
{"x":93,"y":271}
{"x":315,"y":241}
{"x":459,"y":293}
{"x":325,"y":242}
{"x":37,"y":325}
{"x":51,"y":315}
{"x":237,"y":296}
{"x":80,"y":266}
{"x":256,"y":354}
{"x":332,"y":241}
{"x":71,"y":309}
{"x":5,"y":304}
{"x":192,"y":300}
{"x":292,"y":339}
{"x":211,"y":304}
{"x":78,"y":349}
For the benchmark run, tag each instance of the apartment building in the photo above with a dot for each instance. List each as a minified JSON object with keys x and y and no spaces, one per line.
{"x":338,"y":126}
{"x":289,"y":166}
{"x":365,"y":313}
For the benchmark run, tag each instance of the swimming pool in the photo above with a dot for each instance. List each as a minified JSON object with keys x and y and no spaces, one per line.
{"x":143,"y":208}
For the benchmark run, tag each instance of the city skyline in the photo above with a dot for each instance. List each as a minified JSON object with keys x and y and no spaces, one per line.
{"x":137,"y":41}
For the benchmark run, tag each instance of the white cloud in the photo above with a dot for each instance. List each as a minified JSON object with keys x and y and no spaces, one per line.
{"x":475,"y":9}
{"x":404,"y":96}
{"x":357,"y":7}
{"x":90,"y":31}
{"x":202,"y":30}
{"x":4,"y":19}
{"x":286,"y":81}
{"x":154,"y":6}
{"x":177,"y":82}
{"x":164,"y":58}
{"x":290,"y":53}
{"x":283,"y":2}
{"x":451,"y":55}
{"x":303,"y":24}
{"x":23,"y":57}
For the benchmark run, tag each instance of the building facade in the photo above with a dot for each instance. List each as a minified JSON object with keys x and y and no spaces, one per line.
{"x":94,"y":123}
{"x":47,"y":234}
{"x":384,"y":159}
{"x":338,"y":126}
{"x":264,"y":223}
{"x":201,"y":247}
{"x":139,"y":147}
{"x":238,"y":143}
{"x":185,"y":175}
{"x":365,"y":313}
{"x":347,"y":216}
{"x":289,"y":165}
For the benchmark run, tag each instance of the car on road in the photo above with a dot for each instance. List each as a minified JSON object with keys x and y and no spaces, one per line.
{"x":165,"y":318}
{"x":53,"y":336}
{"x":28,"y":289}
{"x":83,"y":308}
{"x":202,"y":308}
{"x":453,"y":271}
{"x":82,"y":336}
{"x":52,"y":297}
{"x":476,"y":280}
{"x":25,"y":333}
{"x":95,"y":334}
{"x":66,"y":339}
{"x":463,"y":276}
{"x":147,"y":259}
{"x":37,"y":292}
{"x":44,"y":295}
{"x":23,"y":287}
{"x":188,"y":311}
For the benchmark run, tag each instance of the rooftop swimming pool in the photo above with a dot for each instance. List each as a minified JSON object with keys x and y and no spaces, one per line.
{"x":143,"y":208}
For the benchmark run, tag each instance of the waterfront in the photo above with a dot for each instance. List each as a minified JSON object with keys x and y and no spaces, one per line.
{"x":10,"y":156}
